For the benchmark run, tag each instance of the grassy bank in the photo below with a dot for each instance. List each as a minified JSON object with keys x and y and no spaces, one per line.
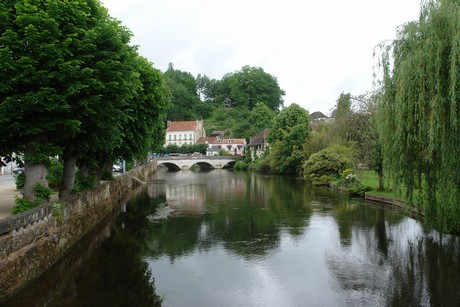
{"x":392,"y":190}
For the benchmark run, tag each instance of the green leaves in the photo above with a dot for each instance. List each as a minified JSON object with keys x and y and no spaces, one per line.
{"x":420,"y":122}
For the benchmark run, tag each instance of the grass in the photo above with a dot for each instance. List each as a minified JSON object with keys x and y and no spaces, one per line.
{"x":370,"y":178}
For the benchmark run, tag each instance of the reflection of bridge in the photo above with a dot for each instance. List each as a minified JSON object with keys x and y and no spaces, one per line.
{"x":183,"y":163}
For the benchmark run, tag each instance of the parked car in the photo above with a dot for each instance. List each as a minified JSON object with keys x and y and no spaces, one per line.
{"x":18,"y":170}
{"x":117,"y":168}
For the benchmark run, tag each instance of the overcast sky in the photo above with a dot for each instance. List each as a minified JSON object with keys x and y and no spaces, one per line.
{"x":316,"y":49}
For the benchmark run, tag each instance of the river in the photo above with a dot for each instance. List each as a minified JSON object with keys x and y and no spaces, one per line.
{"x":220,"y":238}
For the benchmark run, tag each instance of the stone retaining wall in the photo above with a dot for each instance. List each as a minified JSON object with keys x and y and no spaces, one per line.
{"x":32,"y":241}
{"x":393,"y":203}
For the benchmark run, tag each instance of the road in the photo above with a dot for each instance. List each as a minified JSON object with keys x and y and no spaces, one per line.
{"x":7,"y":193}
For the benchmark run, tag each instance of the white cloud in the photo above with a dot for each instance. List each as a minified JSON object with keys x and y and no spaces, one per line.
{"x":316,"y":49}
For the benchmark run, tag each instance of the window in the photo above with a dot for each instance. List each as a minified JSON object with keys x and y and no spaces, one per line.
{"x":174,"y":137}
{"x":190,"y":136}
{"x":169,"y":137}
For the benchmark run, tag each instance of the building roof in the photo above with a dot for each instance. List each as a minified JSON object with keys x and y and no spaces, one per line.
{"x":219,"y":141}
{"x":259,"y":138}
{"x":220,"y":133}
{"x":317,"y":115}
{"x":210,"y":140}
{"x":182,"y":126}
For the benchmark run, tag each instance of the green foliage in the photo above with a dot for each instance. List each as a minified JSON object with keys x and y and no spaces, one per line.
{"x":241,"y":166}
{"x":420,"y":119}
{"x":184,"y":95}
{"x":55,"y":171}
{"x":327,"y":164}
{"x":290,"y":130}
{"x":358,"y":190}
{"x":260,"y":165}
{"x":42,"y":193}
{"x":20,"y":180}
{"x":58,"y":213}
{"x":222,"y":152}
{"x":319,"y":139}
{"x":107,"y":175}
{"x":71,"y":85}
{"x":22,"y":205}
{"x":185,"y":149}
{"x":83,"y":183}
{"x":247,"y":87}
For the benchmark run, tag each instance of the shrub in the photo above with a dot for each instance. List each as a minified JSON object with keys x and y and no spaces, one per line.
{"x":83,"y":183}
{"x":330,"y":162}
{"x":20,"y":181}
{"x":358,"y":190}
{"x":260,"y":165}
{"x":55,"y":171}
{"x":22,"y":205}
{"x":42,"y":193}
{"x":241,"y":166}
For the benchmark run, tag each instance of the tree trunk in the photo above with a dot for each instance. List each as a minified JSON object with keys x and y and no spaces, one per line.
{"x":35,"y":173}
{"x":84,"y":169}
{"x":68,"y":176}
{"x":381,"y":182}
{"x":100,"y":170}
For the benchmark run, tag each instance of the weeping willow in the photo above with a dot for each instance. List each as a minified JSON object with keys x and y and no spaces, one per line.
{"x":420,"y":111}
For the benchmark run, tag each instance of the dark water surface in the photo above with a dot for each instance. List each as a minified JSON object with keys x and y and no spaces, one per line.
{"x":220,"y":238}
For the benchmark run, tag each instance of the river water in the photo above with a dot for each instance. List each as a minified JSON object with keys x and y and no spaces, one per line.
{"x":220,"y":238}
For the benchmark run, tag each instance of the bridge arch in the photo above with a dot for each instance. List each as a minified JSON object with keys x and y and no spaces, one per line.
{"x":204,"y":162}
{"x":170,"y":166}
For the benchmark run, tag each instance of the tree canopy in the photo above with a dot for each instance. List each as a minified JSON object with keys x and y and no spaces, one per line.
{"x":249,"y":86}
{"x":71,"y":85}
{"x":420,"y":112}
{"x":290,"y":130}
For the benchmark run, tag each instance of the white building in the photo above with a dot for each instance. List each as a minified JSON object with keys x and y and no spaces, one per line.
{"x":232,"y":146}
{"x":184,"y":132}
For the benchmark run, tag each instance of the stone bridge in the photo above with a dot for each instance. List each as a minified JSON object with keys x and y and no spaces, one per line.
{"x":204,"y":162}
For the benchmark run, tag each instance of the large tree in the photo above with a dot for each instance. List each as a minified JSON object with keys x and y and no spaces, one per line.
{"x":185,"y":100}
{"x":37,"y":43}
{"x":421,"y":113}
{"x":71,"y":84}
{"x":246,"y":88}
{"x":290,"y":130}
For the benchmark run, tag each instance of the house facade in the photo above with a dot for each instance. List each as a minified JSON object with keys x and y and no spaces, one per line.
{"x":184,"y":132}
{"x":258,"y":144}
{"x":232,"y":146}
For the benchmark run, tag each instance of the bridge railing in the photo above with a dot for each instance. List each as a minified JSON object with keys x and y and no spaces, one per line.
{"x":198,"y":158}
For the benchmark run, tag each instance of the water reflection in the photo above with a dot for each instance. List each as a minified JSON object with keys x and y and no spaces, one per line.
{"x":105,"y":268}
{"x":261,"y":240}
{"x":226,"y":239}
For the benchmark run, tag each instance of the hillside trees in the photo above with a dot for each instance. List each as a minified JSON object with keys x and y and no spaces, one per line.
{"x":247,"y":87}
{"x":420,"y":110}
{"x":66,"y":84}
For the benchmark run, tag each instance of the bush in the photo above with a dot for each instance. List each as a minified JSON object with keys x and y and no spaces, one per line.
{"x":330,"y":163}
{"x":260,"y":165}
{"x":42,"y":193}
{"x":83,"y":183}
{"x":22,"y":205}
{"x":55,"y":171}
{"x":241,"y":166}
{"x":20,"y":181}
{"x":358,"y":190}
